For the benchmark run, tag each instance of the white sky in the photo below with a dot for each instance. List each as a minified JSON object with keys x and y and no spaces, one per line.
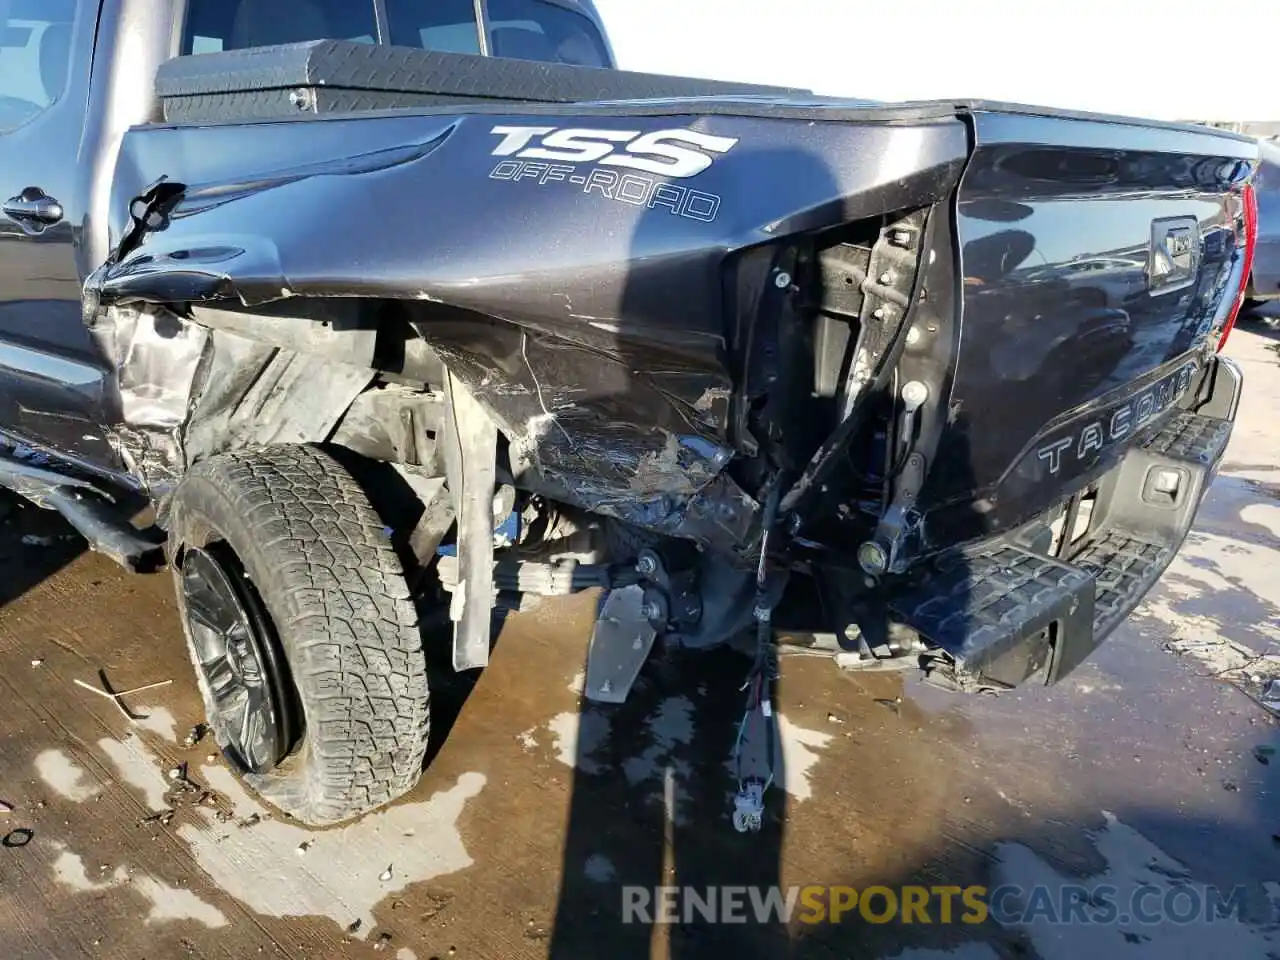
{"x":1176,"y":59}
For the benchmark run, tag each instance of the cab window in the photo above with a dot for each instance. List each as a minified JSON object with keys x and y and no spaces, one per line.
{"x":520,"y":29}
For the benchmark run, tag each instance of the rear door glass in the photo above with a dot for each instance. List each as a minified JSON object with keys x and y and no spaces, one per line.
{"x":448,"y":25}
{"x":536,"y":30}
{"x":518,"y":29}
{"x":215,"y":25}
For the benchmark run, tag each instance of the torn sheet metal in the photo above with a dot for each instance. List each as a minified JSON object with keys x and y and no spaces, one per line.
{"x":186,"y":392}
{"x":470,"y":454}
{"x":585,"y":308}
{"x":156,"y":355}
{"x":601,"y":433}
{"x":257,"y":394}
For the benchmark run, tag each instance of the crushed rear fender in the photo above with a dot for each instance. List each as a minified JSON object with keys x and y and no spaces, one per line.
{"x":603,"y":304}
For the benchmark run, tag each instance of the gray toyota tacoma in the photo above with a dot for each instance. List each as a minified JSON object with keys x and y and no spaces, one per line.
{"x":394,"y":313}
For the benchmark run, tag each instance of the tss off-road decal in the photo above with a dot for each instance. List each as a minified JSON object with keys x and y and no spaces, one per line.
{"x":625,"y":165}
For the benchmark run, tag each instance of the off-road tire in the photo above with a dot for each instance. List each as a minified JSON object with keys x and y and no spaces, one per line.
{"x":313,"y":547}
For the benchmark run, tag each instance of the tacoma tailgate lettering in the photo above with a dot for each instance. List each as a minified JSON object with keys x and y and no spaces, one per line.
{"x":1114,"y":424}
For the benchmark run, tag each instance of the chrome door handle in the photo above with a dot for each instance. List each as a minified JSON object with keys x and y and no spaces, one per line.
{"x":33,"y":206}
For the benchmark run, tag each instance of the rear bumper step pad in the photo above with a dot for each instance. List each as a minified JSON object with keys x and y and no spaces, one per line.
{"x":1001,"y":613}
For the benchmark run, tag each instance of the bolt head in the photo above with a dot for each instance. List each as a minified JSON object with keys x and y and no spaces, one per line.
{"x":873,"y":558}
{"x":914,"y":393}
{"x":646,"y":566}
{"x":782,"y":280}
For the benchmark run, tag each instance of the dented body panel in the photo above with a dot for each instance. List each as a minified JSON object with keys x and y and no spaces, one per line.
{"x":606,"y":358}
{"x":596,"y":306}
{"x":759,"y":332}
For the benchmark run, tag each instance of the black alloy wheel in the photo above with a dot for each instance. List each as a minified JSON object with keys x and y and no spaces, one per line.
{"x":239,"y":660}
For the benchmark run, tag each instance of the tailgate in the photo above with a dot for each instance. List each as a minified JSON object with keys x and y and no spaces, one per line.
{"x":1098,"y":262}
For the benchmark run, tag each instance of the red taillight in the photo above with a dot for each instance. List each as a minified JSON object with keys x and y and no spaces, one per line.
{"x":1250,"y":241}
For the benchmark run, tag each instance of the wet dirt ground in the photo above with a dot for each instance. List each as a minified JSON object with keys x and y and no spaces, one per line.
{"x":1148,"y":770}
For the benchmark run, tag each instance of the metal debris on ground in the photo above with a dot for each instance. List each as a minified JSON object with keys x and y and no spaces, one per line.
{"x":195,"y":736}
{"x":162,"y":817}
{"x":5,"y":808}
{"x":1263,"y":753}
{"x":186,"y":792}
{"x":1270,"y":697}
{"x":115,"y":696}
{"x":303,"y":847}
{"x":355,"y":925}
{"x":1256,"y":675}
{"x":37,"y":661}
{"x":386,"y":874}
{"x":895,"y":704}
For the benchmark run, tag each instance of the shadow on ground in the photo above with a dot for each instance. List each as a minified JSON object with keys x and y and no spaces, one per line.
{"x":904,"y":796}
{"x":1265,"y":321}
{"x":34,"y":545}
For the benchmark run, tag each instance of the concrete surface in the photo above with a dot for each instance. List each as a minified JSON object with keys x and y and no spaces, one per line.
{"x":1150,"y":766}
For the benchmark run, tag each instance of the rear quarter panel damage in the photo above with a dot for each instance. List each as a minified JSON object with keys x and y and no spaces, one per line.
{"x":581,"y":301}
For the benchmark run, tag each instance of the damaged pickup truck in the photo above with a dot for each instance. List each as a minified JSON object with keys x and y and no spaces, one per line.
{"x":433,"y":309}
